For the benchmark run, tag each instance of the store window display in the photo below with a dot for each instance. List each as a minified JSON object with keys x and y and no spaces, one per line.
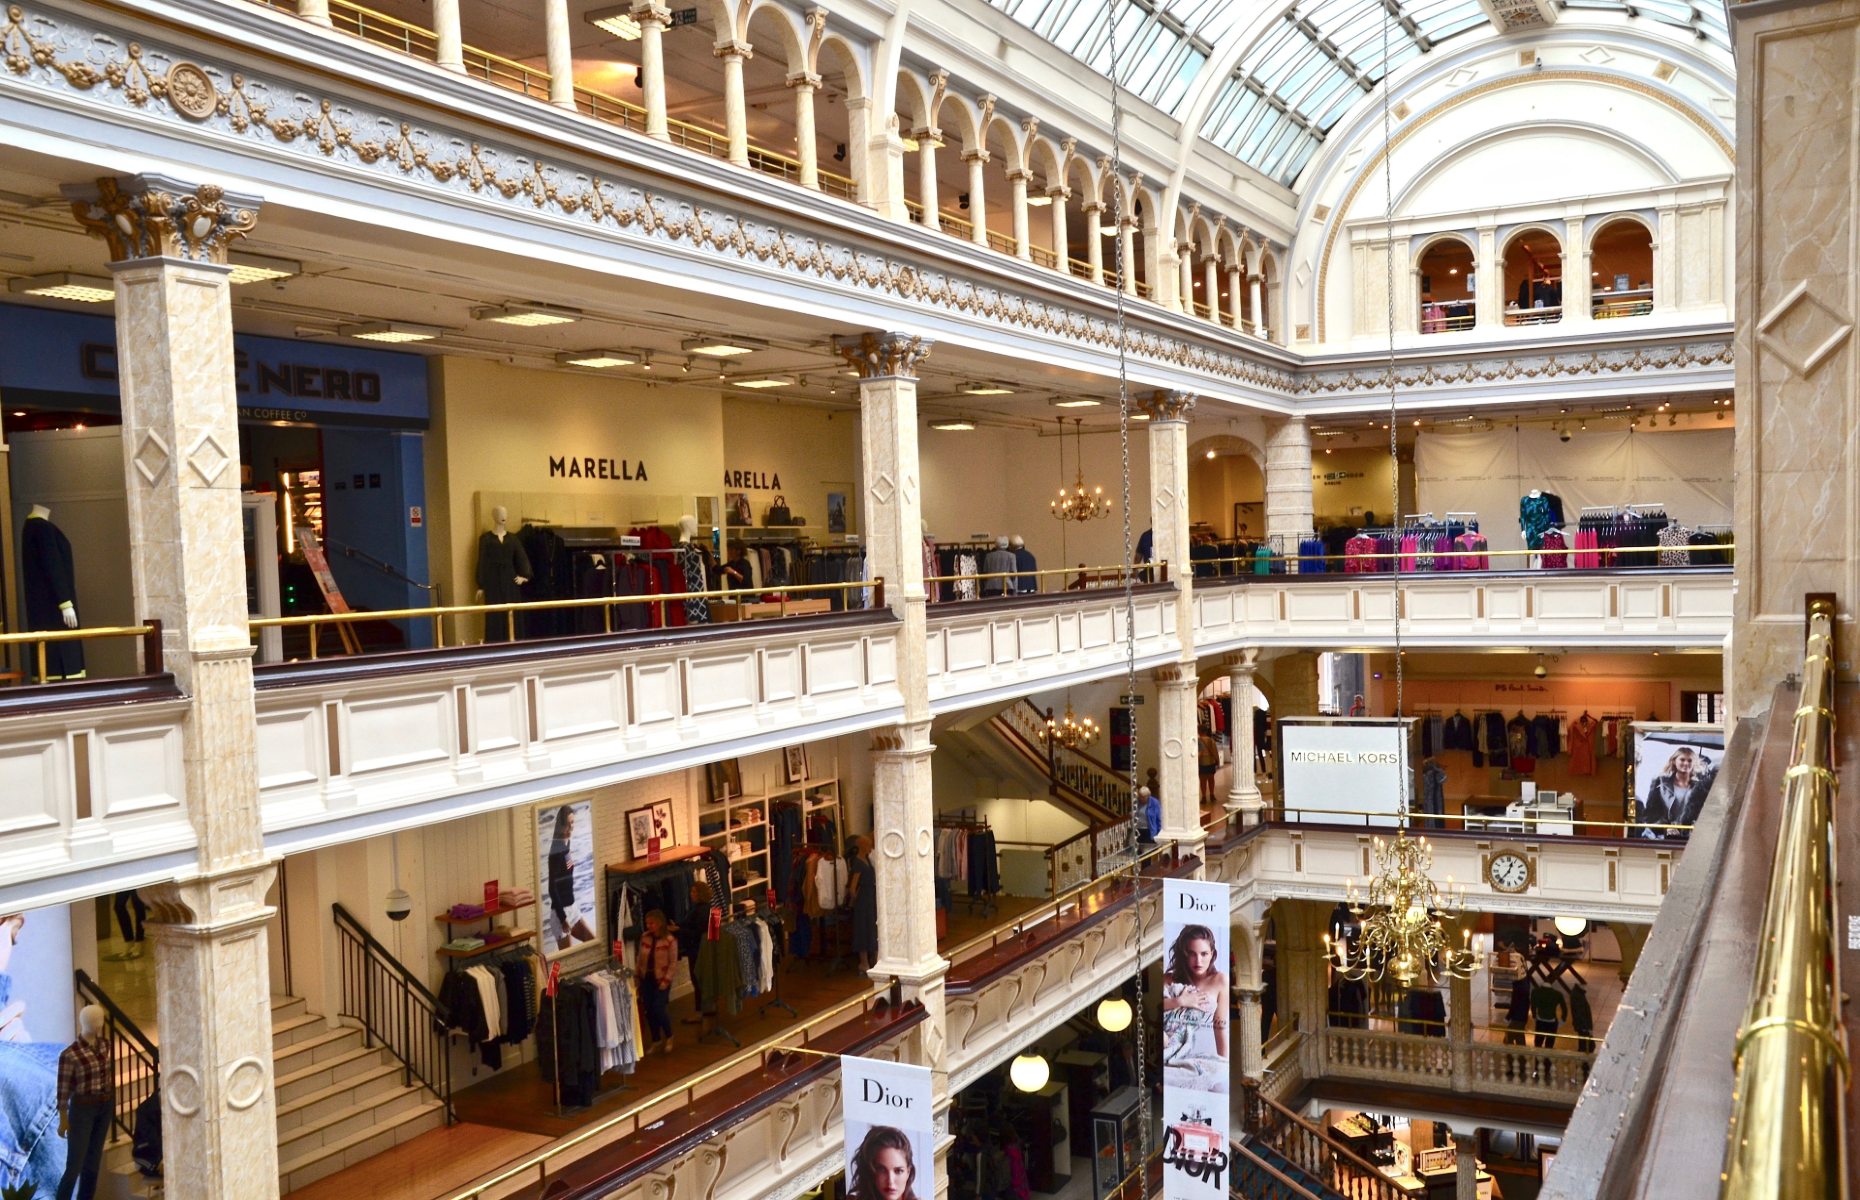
{"x":49,"y":587}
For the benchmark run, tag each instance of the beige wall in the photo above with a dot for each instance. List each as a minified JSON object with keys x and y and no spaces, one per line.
{"x":1368,"y":487}
{"x":1216,"y":484}
{"x":812,"y":450}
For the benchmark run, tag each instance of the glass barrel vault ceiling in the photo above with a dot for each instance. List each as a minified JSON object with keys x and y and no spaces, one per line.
{"x":1302,"y":74}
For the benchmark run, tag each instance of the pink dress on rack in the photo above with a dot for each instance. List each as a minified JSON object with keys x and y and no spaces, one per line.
{"x":1552,"y":545}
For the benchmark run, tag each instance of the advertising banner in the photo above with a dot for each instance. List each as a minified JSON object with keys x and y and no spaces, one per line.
{"x":890,"y":1139}
{"x":1343,"y":771}
{"x":36,"y":1023}
{"x":1195,"y":1038}
{"x":1674,"y":766}
{"x":565,"y":850}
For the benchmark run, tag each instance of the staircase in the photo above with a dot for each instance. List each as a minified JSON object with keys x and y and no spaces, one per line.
{"x":1088,"y":782}
{"x":1285,"y":1157}
{"x":339,"y":1099}
{"x":1262,"y":1173}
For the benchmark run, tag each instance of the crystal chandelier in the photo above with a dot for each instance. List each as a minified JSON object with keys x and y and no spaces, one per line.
{"x":1077,"y":504}
{"x":1070,"y":731}
{"x":1401,"y":931}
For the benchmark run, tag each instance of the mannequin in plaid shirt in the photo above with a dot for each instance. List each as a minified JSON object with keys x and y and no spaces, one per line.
{"x":86,"y":1099}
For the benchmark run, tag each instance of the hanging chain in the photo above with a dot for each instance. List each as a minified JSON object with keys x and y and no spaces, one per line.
{"x":1138,"y":818}
{"x":1388,"y":258}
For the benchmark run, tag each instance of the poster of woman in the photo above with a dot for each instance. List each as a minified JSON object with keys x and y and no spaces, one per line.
{"x":1674,"y":767}
{"x":890,"y":1138}
{"x":565,"y":866}
{"x":1195,"y":1039}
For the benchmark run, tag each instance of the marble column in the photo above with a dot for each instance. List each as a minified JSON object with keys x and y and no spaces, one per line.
{"x":1256,"y":289}
{"x":654,"y":19}
{"x":1666,"y":260}
{"x":1062,"y":238}
{"x":1251,"y":1059}
{"x":878,"y":172}
{"x":1236,"y":280}
{"x":903,"y":807}
{"x":1248,"y":934}
{"x":314,"y":11}
{"x":1127,"y":255}
{"x":1460,"y":1031}
{"x":1211,"y":284}
{"x":1288,"y":481}
{"x":1466,"y":1178}
{"x":806,"y":141}
{"x":1798,"y":151}
{"x":1094,"y":241}
{"x":1175,"y":684}
{"x":978,"y":203}
{"x":1017,"y":208}
{"x":1243,"y":795}
{"x":559,"y":53}
{"x":1489,"y":299}
{"x":1577,"y":283}
{"x":735,"y":107}
{"x":446,"y":31}
{"x":929,"y":141}
{"x":167,"y":244}
{"x":1185,"y":277}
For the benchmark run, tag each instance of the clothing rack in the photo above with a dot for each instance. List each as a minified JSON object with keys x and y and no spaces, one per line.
{"x":590,"y":967}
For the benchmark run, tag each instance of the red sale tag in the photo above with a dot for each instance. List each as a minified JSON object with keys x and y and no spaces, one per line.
{"x":555,"y":974}
{"x":490,"y":894}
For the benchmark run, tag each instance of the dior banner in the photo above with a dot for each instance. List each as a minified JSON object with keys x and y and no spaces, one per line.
{"x":890,"y":1138}
{"x":1195,"y":1040}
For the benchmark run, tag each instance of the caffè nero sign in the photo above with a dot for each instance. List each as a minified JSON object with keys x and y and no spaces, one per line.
{"x":570,"y":466}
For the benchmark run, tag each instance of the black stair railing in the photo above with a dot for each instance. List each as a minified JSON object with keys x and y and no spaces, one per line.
{"x":395,"y":1009}
{"x":135,"y":1063}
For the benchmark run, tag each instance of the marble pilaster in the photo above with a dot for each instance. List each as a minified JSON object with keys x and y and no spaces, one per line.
{"x":1489,"y":268}
{"x":806,"y":142}
{"x":1211,"y":284}
{"x":735,"y":103}
{"x":1243,"y":794}
{"x":1256,"y":287}
{"x":314,"y":11}
{"x":1169,"y":517}
{"x":1466,"y":1177}
{"x":1177,"y":769}
{"x":1288,"y":481}
{"x":1127,"y":255}
{"x":929,"y":141}
{"x":167,"y":243}
{"x":654,"y":19}
{"x":1061,"y":236}
{"x":448,"y":35}
{"x":559,"y":54}
{"x":1017,"y":208}
{"x":978,"y":203}
{"x":1094,"y":241}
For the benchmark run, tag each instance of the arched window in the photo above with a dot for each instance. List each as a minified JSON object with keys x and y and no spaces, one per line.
{"x":1533,"y":292}
{"x":1621,"y":258}
{"x":1446,"y":286}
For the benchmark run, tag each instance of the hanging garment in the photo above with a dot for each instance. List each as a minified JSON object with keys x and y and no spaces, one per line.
{"x":1582,"y":745}
{"x":1552,"y":543}
{"x":1534,"y":517}
{"x":1457,"y":733}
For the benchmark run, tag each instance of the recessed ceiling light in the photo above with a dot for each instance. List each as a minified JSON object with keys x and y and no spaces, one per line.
{"x":762,"y":384}
{"x":952,"y":426}
{"x":390,"y":331}
{"x":1139,"y":416}
{"x":1039,"y":201}
{"x":89,"y":289}
{"x":985,"y":389}
{"x":616,"y":21}
{"x":1075,"y":404}
{"x":527,"y":314}
{"x":718,"y":347}
{"x":19,"y":412}
{"x":1210,"y":453}
{"x":258,"y":268}
{"x":598,"y":360}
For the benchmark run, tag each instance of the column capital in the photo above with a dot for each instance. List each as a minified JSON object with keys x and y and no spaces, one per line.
{"x":1166,"y":405}
{"x":1244,"y":661}
{"x":211,"y":900}
{"x":929,"y":137}
{"x":154,"y":216}
{"x":651,"y":12}
{"x":1060,"y":192}
{"x":1174,"y":675}
{"x":975,"y":156}
{"x":734,"y":49}
{"x":804,"y":79}
{"x":1018,"y":174}
{"x":884,"y":355}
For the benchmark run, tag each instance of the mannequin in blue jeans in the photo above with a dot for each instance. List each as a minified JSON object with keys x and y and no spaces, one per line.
{"x":86,"y":1101}
{"x":29,"y":1154}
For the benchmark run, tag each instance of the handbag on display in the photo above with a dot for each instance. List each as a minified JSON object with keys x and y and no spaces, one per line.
{"x":778,"y":513}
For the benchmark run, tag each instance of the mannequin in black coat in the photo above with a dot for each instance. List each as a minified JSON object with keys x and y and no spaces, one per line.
{"x":49,"y":587}
{"x":503,"y":567}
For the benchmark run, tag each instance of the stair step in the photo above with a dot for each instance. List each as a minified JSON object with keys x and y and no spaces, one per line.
{"x":288,"y":1059}
{"x":339,"y":1096}
{"x":376,"y":1110}
{"x":285,"y":1007}
{"x":293,"y":1029}
{"x":357,"y":1147}
{"x":314,"y":1077}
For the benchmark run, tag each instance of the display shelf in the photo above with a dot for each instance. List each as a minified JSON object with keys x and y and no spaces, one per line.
{"x":491,"y":947}
{"x":498,"y":910}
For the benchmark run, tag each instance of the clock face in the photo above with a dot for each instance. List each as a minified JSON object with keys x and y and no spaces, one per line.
{"x":1508,"y":872}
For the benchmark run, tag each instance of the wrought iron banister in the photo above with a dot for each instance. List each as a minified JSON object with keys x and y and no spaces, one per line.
{"x":135,"y":1063}
{"x":395,"y":1009}
{"x":1312,"y":1151}
{"x":1788,"y":1122}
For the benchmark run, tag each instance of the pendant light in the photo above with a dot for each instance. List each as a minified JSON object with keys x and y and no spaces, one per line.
{"x":1029,"y":1072}
{"x":1114,"y":1014}
{"x":1572,"y":926}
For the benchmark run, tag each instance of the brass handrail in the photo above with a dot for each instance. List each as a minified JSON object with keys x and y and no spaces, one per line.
{"x":1021,"y":922}
{"x":150,"y":634}
{"x":1788,"y":1131}
{"x":777,"y":1042}
{"x":1488,"y":555}
{"x":1418,"y":821}
{"x":1160,"y":570}
{"x":438,"y":612}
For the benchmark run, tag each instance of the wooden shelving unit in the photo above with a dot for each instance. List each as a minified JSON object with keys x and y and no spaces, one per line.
{"x":745,"y":821}
{"x":491,"y":947}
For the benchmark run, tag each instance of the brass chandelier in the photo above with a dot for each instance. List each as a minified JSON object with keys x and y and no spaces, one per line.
{"x":1401,"y":931}
{"x":1070,"y":731}
{"x":1077,"y":504}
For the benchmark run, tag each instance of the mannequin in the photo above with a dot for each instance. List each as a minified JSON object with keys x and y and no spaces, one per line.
{"x":691,"y":563}
{"x":999,"y":562}
{"x":931,"y":590}
{"x":49,"y":588}
{"x":86,"y":1105}
{"x":503,"y":567}
{"x":1027,"y":581}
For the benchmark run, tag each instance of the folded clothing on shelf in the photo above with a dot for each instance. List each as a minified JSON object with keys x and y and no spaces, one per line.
{"x":466,"y":912}
{"x":512,"y":897}
{"x":465,"y":943}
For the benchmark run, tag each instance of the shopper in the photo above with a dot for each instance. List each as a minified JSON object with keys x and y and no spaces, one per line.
{"x":1548,"y":1009}
{"x":658,"y":953}
{"x":690,"y":936}
{"x":130,"y":914}
{"x":86,"y":1101}
{"x":862,"y":884}
{"x":1019,"y":1186}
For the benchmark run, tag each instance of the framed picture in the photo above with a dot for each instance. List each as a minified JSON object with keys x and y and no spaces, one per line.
{"x":836,"y":512}
{"x":726,"y":779}
{"x":736,"y":509}
{"x":565,"y":867}
{"x":647,"y":822}
{"x":794,"y":758}
{"x":707,"y":512}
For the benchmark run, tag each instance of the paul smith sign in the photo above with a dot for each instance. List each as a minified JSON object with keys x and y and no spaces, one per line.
{"x":568,"y":466}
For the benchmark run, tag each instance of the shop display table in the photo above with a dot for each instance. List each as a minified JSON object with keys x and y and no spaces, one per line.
{"x":1362,"y":1139}
{"x":758,"y":610}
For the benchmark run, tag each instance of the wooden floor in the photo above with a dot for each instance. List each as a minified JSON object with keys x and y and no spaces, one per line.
{"x":511,"y":1114}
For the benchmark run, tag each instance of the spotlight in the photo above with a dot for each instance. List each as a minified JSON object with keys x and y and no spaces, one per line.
{"x":1563,"y":434}
{"x":1029,"y":1072}
{"x":839,"y":152}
